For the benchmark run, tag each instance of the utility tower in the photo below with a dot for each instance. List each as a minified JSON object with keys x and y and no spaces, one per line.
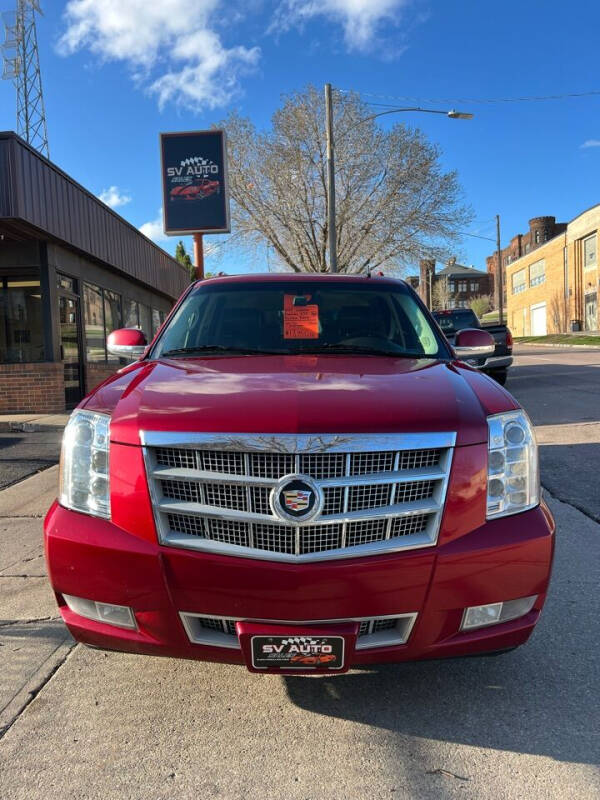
{"x":22,"y":67}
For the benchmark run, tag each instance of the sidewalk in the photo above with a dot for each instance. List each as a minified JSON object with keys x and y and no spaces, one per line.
{"x":32,"y":422}
{"x":33,"y":639}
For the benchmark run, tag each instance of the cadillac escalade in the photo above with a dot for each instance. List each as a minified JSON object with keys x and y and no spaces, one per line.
{"x":301,"y":475}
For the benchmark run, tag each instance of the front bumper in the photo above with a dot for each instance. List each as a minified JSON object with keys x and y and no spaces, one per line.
{"x":504,"y":559}
{"x":491,"y":363}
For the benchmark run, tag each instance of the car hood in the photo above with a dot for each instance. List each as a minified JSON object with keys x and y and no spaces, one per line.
{"x":299,"y":394}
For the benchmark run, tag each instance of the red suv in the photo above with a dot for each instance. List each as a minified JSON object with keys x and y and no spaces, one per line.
{"x":299,"y":474}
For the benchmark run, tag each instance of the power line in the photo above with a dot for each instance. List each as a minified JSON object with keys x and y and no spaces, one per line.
{"x":524,"y":99}
{"x":475,"y":236}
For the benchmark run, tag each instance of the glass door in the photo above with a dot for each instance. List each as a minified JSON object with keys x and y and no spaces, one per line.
{"x":70,"y":348}
{"x":591,"y":311}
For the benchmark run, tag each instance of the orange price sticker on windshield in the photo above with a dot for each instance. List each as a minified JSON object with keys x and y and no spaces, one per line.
{"x":300,"y":321}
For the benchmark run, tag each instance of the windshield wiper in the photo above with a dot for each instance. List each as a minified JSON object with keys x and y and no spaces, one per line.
{"x":362,"y":350}
{"x":219,"y":348}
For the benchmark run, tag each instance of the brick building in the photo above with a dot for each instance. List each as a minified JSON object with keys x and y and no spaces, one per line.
{"x":456,"y":284}
{"x":541,"y":230}
{"x":71,"y":271}
{"x":553,"y":287}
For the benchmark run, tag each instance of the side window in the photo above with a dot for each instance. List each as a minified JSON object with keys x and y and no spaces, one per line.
{"x":420,"y":324}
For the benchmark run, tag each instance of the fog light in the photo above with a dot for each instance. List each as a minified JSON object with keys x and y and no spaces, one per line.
{"x":120,"y":616}
{"x":494,"y":613}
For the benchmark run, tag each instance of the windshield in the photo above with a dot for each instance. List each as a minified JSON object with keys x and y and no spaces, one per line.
{"x":451,"y":321}
{"x":300,"y":317}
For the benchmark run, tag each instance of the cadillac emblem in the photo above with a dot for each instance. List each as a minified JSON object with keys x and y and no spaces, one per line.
{"x":296,"y":498}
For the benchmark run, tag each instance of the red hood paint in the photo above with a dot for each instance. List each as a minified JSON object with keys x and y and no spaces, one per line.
{"x":299,"y":394}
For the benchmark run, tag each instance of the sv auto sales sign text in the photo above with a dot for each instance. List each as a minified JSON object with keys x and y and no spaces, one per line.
{"x":194,"y":178}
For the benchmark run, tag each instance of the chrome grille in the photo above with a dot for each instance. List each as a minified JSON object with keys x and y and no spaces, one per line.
{"x":275,"y":538}
{"x":374,"y":632}
{"x":372,"y":530}
{"x":219,"y":461}
{"x":333,"y":500}
{"x":271,"y":465}
{"x":282,"y":538}
{"x":323,"y":465}
{"x":213,"y":492}
{"x":369,"y":496}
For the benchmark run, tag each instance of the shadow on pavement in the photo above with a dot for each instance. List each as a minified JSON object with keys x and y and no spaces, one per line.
{"x":556,"y":394}
{"x":540,"y":699}
{"x":571,"y":473}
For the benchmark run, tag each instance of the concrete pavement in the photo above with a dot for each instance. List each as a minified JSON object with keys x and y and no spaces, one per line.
{"x":560,"y":389}
{"x":33,"y":640}
{"x":85,"y":724}
{"x":522,"y":725}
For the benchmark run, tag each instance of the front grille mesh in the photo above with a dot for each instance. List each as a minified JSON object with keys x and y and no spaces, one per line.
{"x":282,"y":538}
{"x":225,"y":497}
{"x":320,"y":466}
{"x":367,"y":627}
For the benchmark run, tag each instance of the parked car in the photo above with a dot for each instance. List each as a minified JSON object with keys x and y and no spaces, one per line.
{"x":196,"y":191}
{"x":300,"y":475}
{"x":457,"y":319}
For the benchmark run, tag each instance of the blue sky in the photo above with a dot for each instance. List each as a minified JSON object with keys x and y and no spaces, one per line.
{"x":116,"y":72}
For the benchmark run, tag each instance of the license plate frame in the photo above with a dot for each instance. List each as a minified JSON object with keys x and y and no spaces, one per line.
{"x":298,"y":652}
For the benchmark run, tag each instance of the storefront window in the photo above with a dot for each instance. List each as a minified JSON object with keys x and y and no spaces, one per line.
{"x":21,"y":327}
{"x":113,"y":318}
{"x":132,"y":314}
{"x":155,"y":321}
{"x":95,"y":345}
{"x":146,"y":321}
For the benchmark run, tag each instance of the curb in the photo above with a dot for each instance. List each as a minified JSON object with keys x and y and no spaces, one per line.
{"x":547,"y":344}
{"x":28,"y":427}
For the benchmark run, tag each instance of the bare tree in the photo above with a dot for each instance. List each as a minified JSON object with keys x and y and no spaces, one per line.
{"x":395,"y":204}
{"x":558,"y":313}
{"x":441,"y":294}
{"x":480,"y":304}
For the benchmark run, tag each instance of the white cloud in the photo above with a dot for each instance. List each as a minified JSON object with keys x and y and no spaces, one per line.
{"x":361,"y":19}
{"x":154,"y":229}
{"x":113,"y":197}
{"x":170,"y":45}
{"x":590,"y":143}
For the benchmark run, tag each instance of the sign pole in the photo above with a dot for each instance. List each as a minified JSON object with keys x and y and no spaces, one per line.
{"x":330,"y":180}
{"x":199,"y":256}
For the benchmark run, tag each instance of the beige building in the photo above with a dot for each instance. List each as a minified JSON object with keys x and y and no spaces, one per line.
{"x":554,"y":288}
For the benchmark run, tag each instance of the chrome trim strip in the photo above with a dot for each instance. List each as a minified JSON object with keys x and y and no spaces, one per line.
{"x":467,"y":352}
{"x":299,"y":443}
{"x":385,"y":640}
{"x":402,"y":476}
{"x":381,"y":512}
{"x":397,"y":544}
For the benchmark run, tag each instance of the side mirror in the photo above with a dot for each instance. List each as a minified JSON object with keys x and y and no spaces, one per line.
{"x":473,"y":343}
{"x":127,"y":343}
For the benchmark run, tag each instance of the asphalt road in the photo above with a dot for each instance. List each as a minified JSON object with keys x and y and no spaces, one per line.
{"x":80,"y":723}
{"x":23,"y":453}
{"x":560,"y":389}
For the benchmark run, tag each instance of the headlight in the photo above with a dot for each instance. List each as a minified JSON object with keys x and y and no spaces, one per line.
{"x":513,"y":474}
{"x":84,"y":481}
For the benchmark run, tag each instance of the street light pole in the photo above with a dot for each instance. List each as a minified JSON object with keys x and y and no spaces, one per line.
{"x":331,"y":216}
{"x":330,"y":181}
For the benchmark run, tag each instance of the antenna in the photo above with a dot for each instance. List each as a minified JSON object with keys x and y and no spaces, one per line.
{"x":21,"y":65}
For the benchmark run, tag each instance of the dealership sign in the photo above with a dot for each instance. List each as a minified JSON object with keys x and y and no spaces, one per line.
{"x":194,"y":179}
